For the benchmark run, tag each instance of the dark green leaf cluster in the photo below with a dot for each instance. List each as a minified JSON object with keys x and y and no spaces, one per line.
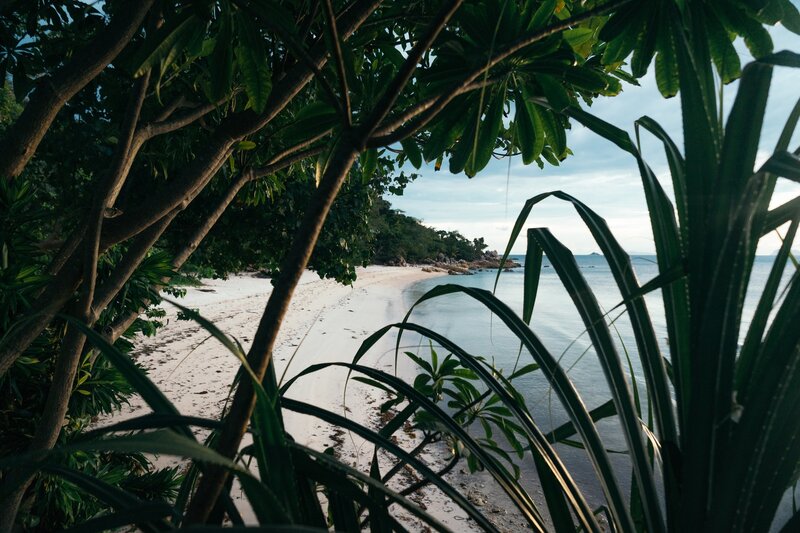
{"x":400,"y":238}
{"x":650,"y":29}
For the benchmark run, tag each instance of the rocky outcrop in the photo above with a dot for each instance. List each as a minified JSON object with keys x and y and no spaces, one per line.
{"x":490,"y":261}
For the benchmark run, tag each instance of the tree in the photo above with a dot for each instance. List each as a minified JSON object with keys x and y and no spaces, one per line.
{"x":156,"y":102}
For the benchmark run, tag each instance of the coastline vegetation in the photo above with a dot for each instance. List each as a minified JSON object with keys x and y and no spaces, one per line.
{"x":136,"y":127}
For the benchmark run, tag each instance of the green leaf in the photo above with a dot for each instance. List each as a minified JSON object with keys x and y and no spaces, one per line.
{"x":251,"y":57}
{"x":412,"y":152}
{"x":586,"y":78}
{"x":556,"y":137}
{"x":313,"y":119}
{"x":530,"y":132}
{"x":724,"y":55}
{"x":608,"y":131}
{"x":542,"y":14}
{"x":784,"y":58}
{"x":554,"y":91}
{"x":783,"y":164}
{"x":386,"y":444}
{"x":752,"y":344}
{"x":245,"y":145}
{"x":148,"y":516}
{"x":791,"y":17}
{"x":577,"y":38}
{"x":621,"y":46}
{"x":646,"y":46}
{"x":533,"y":269}
{"x":139,"y":515}
{"x":616,"y":24}
{"x":151,"y":394}
{"x":369,"y":162}
{"x":487,"y":135}
{"x":164,"y":42}
{"x":271,"y":13}
{"x":573,"y":281}
{"x":449,"y":125}
{"x":500,"y":473}
{"x":270,"y":439}
{"x":666,"y":61}
{"x":466,"y":144}
{"x":737,"y":20}
{"x":554,"y":373}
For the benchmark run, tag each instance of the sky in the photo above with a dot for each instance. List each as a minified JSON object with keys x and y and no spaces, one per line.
{"x":599,"y":174}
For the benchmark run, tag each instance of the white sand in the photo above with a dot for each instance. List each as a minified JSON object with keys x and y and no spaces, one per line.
{"x":326,"y":322}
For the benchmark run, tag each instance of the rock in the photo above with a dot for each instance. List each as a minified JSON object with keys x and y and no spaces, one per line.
{"x":476,"y":498}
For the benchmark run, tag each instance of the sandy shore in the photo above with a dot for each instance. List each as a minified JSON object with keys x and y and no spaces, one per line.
{"x":326,"y":322}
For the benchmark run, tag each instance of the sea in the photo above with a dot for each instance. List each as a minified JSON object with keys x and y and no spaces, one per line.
{"x":557,"y":323}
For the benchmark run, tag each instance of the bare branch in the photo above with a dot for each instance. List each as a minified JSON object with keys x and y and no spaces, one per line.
{"x":137,"y":251}
{"x":272,"y":168}
{"x":339,"y":59}
{"x":173,"y":106}
{"x":142,"y":244}
{"x":126,"y":151}
{"x":161,"y":127}
{"x":299,"y":146}
{"x":392,"y":93}
{"x":383,"y":135}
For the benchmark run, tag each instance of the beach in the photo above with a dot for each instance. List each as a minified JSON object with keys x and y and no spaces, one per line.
{"x":326,"y":322}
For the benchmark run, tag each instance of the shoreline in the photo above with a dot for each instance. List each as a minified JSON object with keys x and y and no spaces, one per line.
{"x":326,"y":322}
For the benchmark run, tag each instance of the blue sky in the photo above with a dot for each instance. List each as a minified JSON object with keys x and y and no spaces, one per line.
{"x":599,"y":174}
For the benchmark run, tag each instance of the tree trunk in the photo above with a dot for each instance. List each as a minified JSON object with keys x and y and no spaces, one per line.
{"x":69,"y":356}
{"x":260,"y":355}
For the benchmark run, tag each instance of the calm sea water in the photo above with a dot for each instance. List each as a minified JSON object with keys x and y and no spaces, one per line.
{"x":560,"y":328}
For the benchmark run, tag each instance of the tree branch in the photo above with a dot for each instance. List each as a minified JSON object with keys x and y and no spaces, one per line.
{"x":347,"y":111}
{"x":136,"y":253}
{"x":69,"y":356}
{"x":341,"y":161}
{"x":232,"y":130}
{"x":170,"y":108}
{"x":272,"y":168}
{"x":22,"y":139}
{"x":177,"y":195}
{"x":107,"y":292}
{"x":160,"y":127}
{"x":260,"y":354}
{"x":392,"y":93}
{"x":519,"y":44}
{"x":383,"y":134}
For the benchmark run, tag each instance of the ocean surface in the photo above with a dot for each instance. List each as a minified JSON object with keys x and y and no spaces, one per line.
{"x":556,"y":322}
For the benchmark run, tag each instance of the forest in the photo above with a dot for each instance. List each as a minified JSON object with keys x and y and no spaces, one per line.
{"x":145,"y":142}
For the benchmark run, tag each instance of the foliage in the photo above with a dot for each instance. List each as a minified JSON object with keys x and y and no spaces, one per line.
{"x":263,"y":220}
{"x":100,"y":389}
{"x":137,"y":114}
{"x":400,"y":236}
{"x":722,"y":452}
